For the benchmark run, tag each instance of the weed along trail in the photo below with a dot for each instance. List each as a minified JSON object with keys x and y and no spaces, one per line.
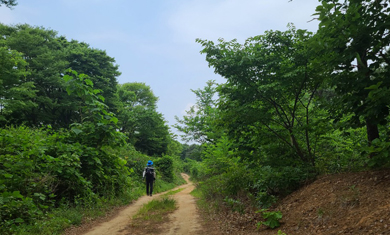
{"x":184,"y":220}
{"x":121,"y":221}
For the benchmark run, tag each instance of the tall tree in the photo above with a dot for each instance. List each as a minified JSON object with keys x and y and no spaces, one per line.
{"x":136,"y":94}
{"x":192,"y":151}
{"x":353,"y":39}
{"x":47,"y":57}
{"x":95,"y":63}
{"x":198,"y":123}
{"x":270,"y":88}
{"x":15,"y":92}
{"x":174,"y":147}
{"x":139,"y":120}
{"x":152,"y":134}
{"x":132,"y":99}
{"x":46,"y":63}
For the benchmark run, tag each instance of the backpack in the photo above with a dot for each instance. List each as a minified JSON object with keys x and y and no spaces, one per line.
{"x":149,"y":173}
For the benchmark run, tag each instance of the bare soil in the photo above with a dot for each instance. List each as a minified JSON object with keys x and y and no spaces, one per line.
{"x":348,"y":203}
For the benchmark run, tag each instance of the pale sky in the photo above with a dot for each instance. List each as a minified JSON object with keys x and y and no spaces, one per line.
{"x":153,"y":41}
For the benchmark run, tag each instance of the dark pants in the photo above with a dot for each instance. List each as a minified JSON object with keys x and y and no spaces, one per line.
{"x":149,"y":187}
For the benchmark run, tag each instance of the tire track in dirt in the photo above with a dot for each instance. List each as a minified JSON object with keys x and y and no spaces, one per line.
{"x":183,"y":221}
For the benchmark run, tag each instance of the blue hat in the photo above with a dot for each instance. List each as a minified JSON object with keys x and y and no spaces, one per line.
{"x":150,"y":163}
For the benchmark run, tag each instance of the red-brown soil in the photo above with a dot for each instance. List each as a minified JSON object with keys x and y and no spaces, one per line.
{"x":348,"y":203}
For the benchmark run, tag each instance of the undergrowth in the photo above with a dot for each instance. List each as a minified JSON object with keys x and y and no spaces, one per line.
{"x":155,"y":210}
{"x":66,"y":216}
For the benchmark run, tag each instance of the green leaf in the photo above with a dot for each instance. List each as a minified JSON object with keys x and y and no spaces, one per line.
{"x":97,"y":160}
{"x":88,"y":82}
{"x":101,"y":98}
{"x":17,"y":194}
{"x":114,"y":120}
{"x":9,"y":176}
{"x":68,"y":90}
{"x":67,"y":78}
{"x":19,"y":220}
{"x":96,"y":91}
{"x":76,"y":131}
{"x":274,"y":223}
{"x":40,"y":195}
{"x":374,"y":87}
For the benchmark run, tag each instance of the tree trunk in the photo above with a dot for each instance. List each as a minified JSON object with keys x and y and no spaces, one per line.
{"x":372,"y":134}
{"x":298,"y":150}
{"x":372,"y":131}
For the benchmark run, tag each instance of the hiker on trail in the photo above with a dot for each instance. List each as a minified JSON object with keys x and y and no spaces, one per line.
{"x":150,"y":175}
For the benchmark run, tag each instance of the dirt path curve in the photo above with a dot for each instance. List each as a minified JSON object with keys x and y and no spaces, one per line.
{"x":183,"y":221}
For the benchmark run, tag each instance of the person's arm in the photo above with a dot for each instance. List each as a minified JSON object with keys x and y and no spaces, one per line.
{"x":143,"y":174}
{"x":154,"y":174}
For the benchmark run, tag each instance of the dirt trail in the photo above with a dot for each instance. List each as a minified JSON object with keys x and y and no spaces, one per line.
{"x":183,"y":221}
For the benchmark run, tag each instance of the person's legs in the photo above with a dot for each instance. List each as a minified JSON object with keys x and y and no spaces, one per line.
{"x":151,"y":188}
{"x":147,"y":187}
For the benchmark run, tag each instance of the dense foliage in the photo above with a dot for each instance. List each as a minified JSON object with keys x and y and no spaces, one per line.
{"x":294,"y":105}
{"x":71,"y":138}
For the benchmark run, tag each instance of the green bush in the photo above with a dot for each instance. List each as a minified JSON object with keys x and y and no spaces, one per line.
{"x":47,"y":168}
{"x":237,"y":179}
{"x":212,"y":188}
{"x":340,"y":151}
{"x":136,"y":161}
{"x":379,"y":152}
{"x":219,"y":158}
{"x":273,"y":182}
{"x":165,"y":167}
{"x":228,"y":188}
{"x":192,"y":167}
{"x":16,"y":209}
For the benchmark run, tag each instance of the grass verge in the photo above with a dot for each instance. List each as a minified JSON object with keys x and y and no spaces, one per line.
{"x":155,"y":210}
{"x":151,"y":217}
{"x":170,"y":193}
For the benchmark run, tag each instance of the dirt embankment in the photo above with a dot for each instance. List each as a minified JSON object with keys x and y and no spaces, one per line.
{"x":348,"y":203}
